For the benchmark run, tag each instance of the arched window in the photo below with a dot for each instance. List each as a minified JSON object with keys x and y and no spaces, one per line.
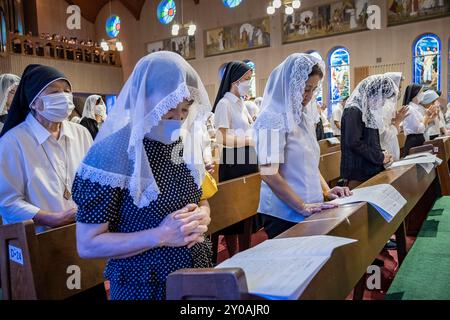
{"x":231,"y":3}
{"x":252,"y":65}
{"x":427,"y":61}
{"x":2,"y":31}
{"x":319,"y":96}
{"x":339,"y":74}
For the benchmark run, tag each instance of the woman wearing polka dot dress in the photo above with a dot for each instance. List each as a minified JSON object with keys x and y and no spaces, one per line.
{"x":138,"y":190}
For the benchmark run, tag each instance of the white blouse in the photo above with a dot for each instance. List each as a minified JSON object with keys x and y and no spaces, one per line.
{"x":232,"y":114}
{"x":298,"y":156}
{"x":29,"y":182}
{"x":338,"y":110}
{"x":413,"y":123}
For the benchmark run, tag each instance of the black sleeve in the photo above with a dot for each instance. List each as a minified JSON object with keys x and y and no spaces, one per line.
{"x":353,"y":131}
{"x":96,"y":204}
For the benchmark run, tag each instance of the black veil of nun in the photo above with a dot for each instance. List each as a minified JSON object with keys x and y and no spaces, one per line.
{"x":35,"y":79}
{"x":234,"y":71}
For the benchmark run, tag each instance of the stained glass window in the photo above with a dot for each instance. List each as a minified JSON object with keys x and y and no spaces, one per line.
{"x":319,"y":96}
{"x":2,"y":31}
{"x":166,"y":11}
{"x":427,"y":61}
{"x":113,"y":26}
{"x":339,"y":74}
{"x":231,"y":3}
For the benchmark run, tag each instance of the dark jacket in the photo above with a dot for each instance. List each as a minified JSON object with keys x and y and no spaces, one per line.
{"x":91,"y":125}
{"x":362,"y":156}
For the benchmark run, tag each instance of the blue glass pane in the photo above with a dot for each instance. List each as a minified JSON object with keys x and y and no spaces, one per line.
{"x":339,"y":75}
{"x":166,"y":11}
{"x":231,"y":3}
{"x":339,"y":57}
{"x":113,"y":26}
{"x":426,"y":61}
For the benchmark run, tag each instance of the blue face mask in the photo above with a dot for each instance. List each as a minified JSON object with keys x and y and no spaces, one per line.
{"x":166,"y":132}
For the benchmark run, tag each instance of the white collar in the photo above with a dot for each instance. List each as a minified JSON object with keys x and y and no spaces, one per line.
{"x":42,"y":134}
{"x":232,"y":97}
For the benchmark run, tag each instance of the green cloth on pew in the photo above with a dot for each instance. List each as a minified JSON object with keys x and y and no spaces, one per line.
{"x":425,"y":272}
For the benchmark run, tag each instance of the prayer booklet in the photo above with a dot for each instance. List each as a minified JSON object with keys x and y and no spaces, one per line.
{"x":383,"y":197}
{"x":281,"y":269}
{"x":426,"y":160}
{"x":333,"y":141}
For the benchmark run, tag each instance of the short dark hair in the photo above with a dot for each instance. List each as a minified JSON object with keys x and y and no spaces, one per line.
{"x":316,"y":71}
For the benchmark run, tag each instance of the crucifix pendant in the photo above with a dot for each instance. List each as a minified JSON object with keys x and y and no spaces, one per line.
{"x":67,"y":194}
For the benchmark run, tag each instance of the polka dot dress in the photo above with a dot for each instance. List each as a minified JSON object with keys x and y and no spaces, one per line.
{"x":143,"y":277}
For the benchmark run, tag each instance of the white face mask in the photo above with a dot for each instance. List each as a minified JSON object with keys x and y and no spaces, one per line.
{"x":166,"y":132}
{"x":57,"y":106}
{"x":244,"y":88}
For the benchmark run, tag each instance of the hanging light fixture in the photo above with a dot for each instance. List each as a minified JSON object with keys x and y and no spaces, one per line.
{"x":175,"y":29}
{"x":290,"y":6}
{"x":289,"y":10}
{"x":104,"y":45}
{"x":119,"y":45}
{"x":296,"y":4}
{"x":191,"y":28}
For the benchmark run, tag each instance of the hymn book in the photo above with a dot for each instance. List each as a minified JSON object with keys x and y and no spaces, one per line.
{"x":281,"y":269}
{"x":383,"y":197}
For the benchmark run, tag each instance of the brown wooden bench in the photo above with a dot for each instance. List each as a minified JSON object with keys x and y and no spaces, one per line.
{"x":327,"y":147}
{"x":442,"y":150}
{"x":347,"y":265}
{"x":330,"y":167}
{"x":38,"y":266}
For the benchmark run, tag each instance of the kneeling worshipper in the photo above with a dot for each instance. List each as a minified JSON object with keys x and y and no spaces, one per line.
{"x":8,"y":86}
{"x":94,"y":114}
{"x":137,"y":190}
{"x":41,"y":151}
{"x":288,"y":152}
{"x":362,"y":120}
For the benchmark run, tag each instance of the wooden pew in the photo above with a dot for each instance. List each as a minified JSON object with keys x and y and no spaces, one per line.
{"x":348,"y":264}
{"x":401,"y":141}
{"x":236,"y":201}
{"x":327,"y":147}
{"x":35,"y":266}
{"x":330,"y":167}
{"x":442,"y":150}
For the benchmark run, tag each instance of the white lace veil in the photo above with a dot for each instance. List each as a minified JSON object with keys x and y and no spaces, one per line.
{"x":390,"y":108}
{"x":371,"y":96}
{"x":281,"y":107}
{"x":89,"y":106}
{"x":159,"y":82}
{"x":7,"y":81}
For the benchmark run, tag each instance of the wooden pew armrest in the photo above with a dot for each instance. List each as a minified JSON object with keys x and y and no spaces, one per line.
{"x":208,"y":284}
